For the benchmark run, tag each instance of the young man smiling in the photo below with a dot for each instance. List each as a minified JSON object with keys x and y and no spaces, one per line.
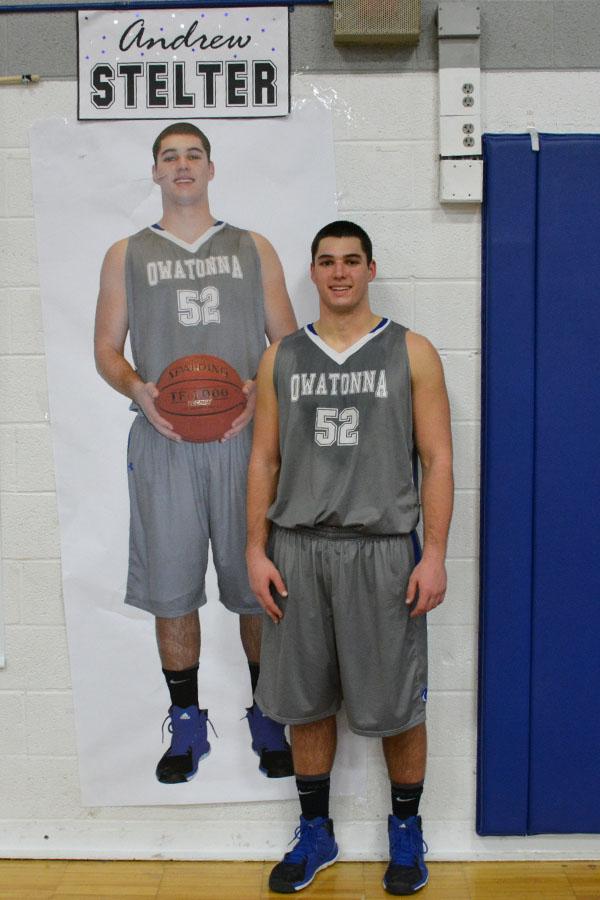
{"x":190,"y":284}
{"x":332,"y":552}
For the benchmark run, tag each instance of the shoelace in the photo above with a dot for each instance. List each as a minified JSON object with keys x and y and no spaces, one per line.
{"x":212,"y":726}
{"x":407,"y":845}
{"x":307,"y":839}
{"x":251,"y":713}
{"x":170,"y":727}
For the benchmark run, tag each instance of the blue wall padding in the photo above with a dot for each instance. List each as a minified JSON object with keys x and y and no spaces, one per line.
{"x":565,"y":684}
{"x":506,"y":508}
{"x":539,"y":708}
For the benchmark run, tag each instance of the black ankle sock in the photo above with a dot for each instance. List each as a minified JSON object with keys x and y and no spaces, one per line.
{"x":405,"y":799}
{"x":254,"y":673}
{"x":183,"y":686}
{"x":313,"y":793}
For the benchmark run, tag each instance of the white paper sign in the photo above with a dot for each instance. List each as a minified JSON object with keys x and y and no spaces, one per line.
{"x":188,"y":63}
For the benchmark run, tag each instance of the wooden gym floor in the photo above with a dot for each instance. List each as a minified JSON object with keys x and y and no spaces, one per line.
{"x":37,"y":879}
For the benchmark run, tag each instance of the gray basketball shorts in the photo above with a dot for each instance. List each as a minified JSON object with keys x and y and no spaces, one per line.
{"x":183,"y":495}
{"x":345,"y":633}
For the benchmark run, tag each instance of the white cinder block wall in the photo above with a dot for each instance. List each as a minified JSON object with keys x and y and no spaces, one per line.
{"x":428,"y":257}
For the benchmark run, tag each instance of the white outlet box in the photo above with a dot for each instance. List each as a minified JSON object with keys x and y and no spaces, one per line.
{"x":460,"y":136}
{"x":460,"y":92}
{"x":461,"y":180}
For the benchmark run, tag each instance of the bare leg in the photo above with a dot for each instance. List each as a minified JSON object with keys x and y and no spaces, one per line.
{"x":313,"y":747}
{"x":406,"y":754}
{"x":179,"y":641}
{"x":179,"y":648}
{"x":250,"y":633}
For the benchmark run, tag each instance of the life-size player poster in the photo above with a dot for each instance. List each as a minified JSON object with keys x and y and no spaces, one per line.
{"x":93,"y":186}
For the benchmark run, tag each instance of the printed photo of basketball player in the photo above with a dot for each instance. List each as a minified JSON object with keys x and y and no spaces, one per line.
{"x":190,"y":285}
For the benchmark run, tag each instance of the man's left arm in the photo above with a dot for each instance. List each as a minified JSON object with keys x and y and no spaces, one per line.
{"x":433,"y":438}
{"x":279,"y":318}
{"x":279,"y":315}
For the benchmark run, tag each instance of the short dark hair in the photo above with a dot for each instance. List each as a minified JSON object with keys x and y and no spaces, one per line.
{"x":340,"y":229}
{"x":180,"y":128}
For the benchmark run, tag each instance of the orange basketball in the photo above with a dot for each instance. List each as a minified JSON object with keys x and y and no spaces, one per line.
{"x":200,"y":396}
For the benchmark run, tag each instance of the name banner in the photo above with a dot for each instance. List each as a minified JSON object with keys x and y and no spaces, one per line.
{"x":184,"y":63}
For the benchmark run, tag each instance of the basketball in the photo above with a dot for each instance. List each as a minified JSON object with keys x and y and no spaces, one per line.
{"x":200,"y":396}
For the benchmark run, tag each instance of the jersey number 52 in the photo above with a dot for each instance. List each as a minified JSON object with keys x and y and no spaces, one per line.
{"x":336,"y":426}
{"x":195,"y":307}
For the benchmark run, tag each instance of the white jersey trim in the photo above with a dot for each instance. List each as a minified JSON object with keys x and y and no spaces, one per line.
{"x":341,"y":357}
{"x":191,"y":248}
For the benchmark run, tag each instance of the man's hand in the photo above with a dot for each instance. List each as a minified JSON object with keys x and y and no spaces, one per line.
{"x":240,"y":423}
{"x":427,"y":584}
{"x":262,"y":573}
{"x":144,"y":395}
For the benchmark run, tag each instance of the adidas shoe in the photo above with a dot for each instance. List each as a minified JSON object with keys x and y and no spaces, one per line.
{"x":189,"y":744}
{"x":269,"y":743}
{"x":407,"y":871}
{"x":315,"y":850}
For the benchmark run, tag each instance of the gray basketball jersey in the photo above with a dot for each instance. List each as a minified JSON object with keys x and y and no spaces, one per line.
{"x":345,"y":431}
{"x":204,"y":297}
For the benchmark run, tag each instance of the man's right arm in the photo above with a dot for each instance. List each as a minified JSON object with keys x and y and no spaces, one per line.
{"x":110,"y":333}
{"x":263,"y":476}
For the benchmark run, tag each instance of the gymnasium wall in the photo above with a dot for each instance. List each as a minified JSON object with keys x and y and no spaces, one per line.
{"x":429,"y":270}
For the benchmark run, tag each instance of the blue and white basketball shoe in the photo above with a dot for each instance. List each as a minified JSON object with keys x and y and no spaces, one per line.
{"x":270,"y":744}
{"x":189,"y":744}
{"x":407,"y":871}
{"x":315,"y":850}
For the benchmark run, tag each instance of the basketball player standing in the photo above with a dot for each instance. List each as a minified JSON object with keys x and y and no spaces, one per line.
{"x":332,"y":552}
{"x":190,"y":284}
